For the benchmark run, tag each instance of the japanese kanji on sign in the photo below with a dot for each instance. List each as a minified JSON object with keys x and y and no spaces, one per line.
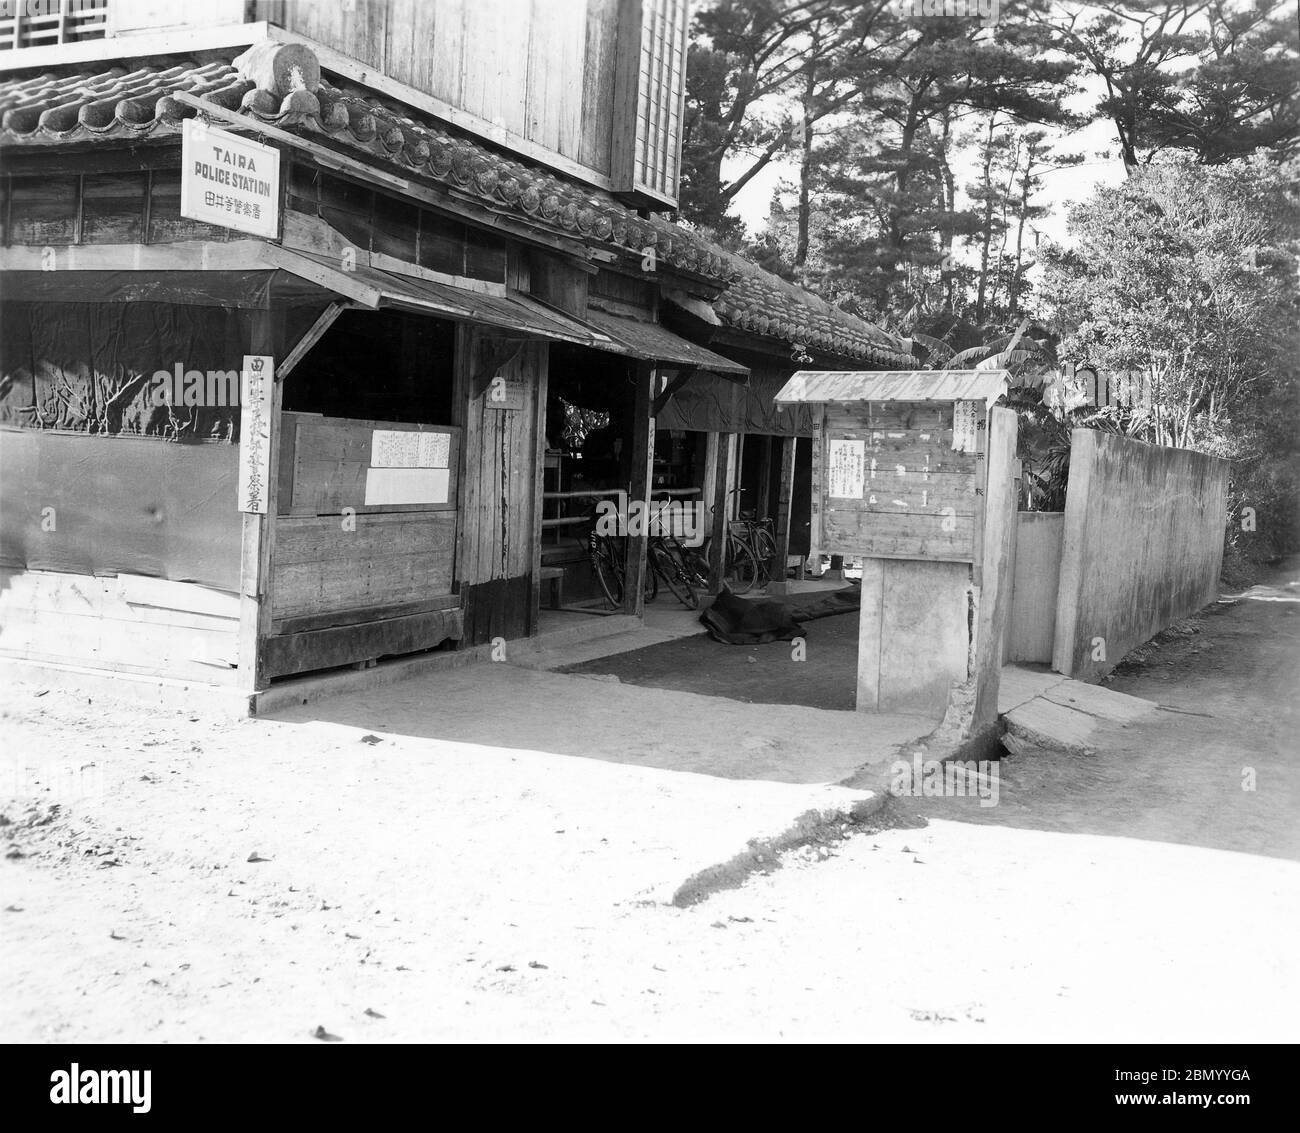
{"x":229,"y":180}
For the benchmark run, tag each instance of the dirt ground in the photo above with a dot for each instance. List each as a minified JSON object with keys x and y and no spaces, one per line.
{"x":756,"y":674}
{"x":172,"y":879}
{"x":1218,"y":766}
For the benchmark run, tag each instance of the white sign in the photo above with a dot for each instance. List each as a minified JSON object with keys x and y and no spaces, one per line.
{"x":407,"y":485}
{"x":846,"y":473}
{"x":256,"y":387}
{"x":228,"y":180}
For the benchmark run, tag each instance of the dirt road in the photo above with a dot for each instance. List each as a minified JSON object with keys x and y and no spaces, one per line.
{"x":1218,"y":766}
{"x":259,"y":881}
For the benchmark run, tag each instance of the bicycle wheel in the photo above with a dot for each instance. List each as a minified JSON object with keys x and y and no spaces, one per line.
{"x":651,"y":586}
{"x":764,"y":544}
{"x":696,"y":566}
{"x":742,"y":567}
{"x":605,"y":566}
{"x":669,"y":569}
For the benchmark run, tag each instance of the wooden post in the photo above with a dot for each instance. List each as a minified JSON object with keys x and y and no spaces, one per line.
{"x":995,"y":591}
{"x":539,"y":476}
{"x":762,"y":505}
{"x":718,"y":526}
{"x":257,"y":539}
{"x":814,"y":559}
{"x":709,"y":480}
{"x":641,"y":485}
{"x":784,"y":512}
{"x":467,"y":415}
{"x":735,"y":497}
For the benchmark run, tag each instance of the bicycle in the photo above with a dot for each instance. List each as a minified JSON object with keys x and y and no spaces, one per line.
{"x":682,"y":569}
{"x":758,"y":536}
{"x":740,"y":568}
{"x":608,"y":556}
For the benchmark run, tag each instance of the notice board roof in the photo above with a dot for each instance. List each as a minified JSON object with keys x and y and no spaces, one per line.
{"x":894,"y":385}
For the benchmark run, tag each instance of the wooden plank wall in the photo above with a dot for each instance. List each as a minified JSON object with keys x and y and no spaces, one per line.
{"x":352,"y":581}
{"x":599,"y":84}
{"x":498,"y":525}
{"x":125,"y":623}
{"x":108,"y":207}
{"x":385,"y":560}
{"x":541,"y":70}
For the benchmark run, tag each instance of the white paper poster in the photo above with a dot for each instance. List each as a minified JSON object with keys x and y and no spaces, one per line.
{"x":846,"y":469}
{"x":256,"y":387}
{"x":394,"y":448}
{"x":435,"y":450}
{"x":404,"y":448}
{"x":965,"y":426}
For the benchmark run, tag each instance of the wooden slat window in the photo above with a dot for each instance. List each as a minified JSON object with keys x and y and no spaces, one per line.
{"x":46,"y":23}
{"x":659,"y":96}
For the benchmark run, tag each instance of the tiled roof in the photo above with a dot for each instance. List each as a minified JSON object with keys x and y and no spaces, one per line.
{"x":762,"y":303}
{"x":280,"y":84}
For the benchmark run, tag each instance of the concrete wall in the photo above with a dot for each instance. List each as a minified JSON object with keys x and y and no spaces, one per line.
{"x":913,"y":635}
{"x":1142,"y":547}
{"x":1037,"y":582}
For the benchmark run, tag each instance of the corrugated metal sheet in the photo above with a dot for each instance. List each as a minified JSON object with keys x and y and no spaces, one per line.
{"x":650,"y":340}
{"x":373,"y":287}
{"x":894,"y":385}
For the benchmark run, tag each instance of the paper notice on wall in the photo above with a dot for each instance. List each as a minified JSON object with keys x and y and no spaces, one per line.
{"x":394,"y":448}
{"x":435,"y":450}
{"x":407,"y":485}
{"x":966,"y":419}
{"x":846,"y":469}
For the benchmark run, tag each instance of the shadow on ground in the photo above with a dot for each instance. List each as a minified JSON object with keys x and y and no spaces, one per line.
{"x":756,"y":674}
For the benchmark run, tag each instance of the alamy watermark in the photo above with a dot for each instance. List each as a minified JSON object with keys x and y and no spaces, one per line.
{"x":193,"y":388}
{"x":682,"y":519}
{"x":986,"y":11}
{"x":64,"y":781}
{"x":33,"y":9}
{"x":953,"y":778}
{"x":101,"y":1087}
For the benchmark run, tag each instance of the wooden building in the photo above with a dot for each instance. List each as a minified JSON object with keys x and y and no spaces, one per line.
{"x":457,"y":220}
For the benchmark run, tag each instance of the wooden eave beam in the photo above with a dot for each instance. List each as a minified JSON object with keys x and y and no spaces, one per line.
{"x":683,"y":376}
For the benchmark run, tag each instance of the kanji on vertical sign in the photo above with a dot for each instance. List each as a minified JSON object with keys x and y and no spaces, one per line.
{"x":256,"y":387}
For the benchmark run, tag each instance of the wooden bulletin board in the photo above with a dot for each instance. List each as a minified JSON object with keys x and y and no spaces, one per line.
{"x":329,"y":463}
{"x":889,"y":483}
